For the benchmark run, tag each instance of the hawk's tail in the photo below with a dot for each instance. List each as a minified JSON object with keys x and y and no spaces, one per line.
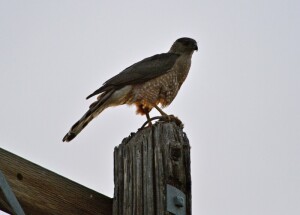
{"x":82,"y":123}
{"x":95,"y":109}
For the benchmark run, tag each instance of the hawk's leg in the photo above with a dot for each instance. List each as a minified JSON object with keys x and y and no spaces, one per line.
{"x":145,"y":110}
{"x":161,"y":111}
{"x":163,"y":117}
{"x":168,"y":118}
{"x":148,"y":119}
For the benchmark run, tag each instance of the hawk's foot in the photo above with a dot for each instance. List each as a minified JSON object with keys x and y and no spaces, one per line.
{"x":172,"y":118}
{"x":164,"y":118}
{"x":149,"y":122}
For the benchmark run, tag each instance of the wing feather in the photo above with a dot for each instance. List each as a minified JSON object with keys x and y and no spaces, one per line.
{"x":140,"y":72}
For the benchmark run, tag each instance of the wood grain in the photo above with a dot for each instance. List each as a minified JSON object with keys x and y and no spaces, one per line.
{"x":144,"y":163}
{"x":42,"y":192}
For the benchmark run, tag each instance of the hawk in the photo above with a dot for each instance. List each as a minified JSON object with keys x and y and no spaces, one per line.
{"x":146,"y":84}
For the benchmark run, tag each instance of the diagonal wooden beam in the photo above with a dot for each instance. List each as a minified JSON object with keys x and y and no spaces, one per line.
{"x":41,"y":191}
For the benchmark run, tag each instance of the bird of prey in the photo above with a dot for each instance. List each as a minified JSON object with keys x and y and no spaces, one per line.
{"x":146,"y":84}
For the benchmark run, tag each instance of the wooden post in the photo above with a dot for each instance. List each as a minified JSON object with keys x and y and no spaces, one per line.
{"x":144,"y":164}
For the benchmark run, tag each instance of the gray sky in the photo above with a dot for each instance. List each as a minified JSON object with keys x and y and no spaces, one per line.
{"x":240,"y":103}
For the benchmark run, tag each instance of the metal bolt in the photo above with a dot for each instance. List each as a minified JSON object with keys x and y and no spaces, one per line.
{"x":178,"y":201}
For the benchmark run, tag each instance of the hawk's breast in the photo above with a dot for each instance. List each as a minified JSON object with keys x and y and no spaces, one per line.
{"x":162,"y":89}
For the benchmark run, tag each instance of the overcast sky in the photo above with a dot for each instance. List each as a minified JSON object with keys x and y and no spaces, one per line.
{"x":240,"y":103}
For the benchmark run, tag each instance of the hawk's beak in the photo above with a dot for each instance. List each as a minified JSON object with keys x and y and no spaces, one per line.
{"x":196,"y":47}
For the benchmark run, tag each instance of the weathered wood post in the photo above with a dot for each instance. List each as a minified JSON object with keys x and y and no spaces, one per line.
{"x":152,"y":172}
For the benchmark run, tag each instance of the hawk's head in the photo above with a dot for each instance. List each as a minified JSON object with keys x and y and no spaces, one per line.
{"x":184,"y":45}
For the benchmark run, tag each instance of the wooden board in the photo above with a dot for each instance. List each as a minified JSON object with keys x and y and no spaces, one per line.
{"x":42,"y":192}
